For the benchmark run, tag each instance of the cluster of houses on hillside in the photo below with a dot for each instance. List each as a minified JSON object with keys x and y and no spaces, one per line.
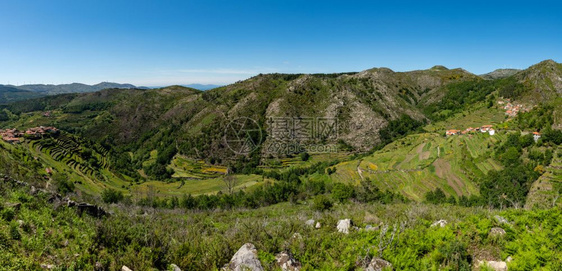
{"x":14,"y":136}
{"x":483,"y":129}
{"x":470,"y":130}
{"x":512,"y":109}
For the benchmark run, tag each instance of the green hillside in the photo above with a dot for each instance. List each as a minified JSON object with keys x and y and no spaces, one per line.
{"x":421,"y":163}
{"x":146,"y":178}
{"x":171,"y":141}
{"x":10,"y":94}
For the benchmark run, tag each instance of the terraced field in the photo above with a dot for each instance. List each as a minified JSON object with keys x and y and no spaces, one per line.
{"x":420,"y":163}
{"x":197,"y":170}
{"x":545,"y":192}
{"x":194,"y":186}
{"x":68,"y":150}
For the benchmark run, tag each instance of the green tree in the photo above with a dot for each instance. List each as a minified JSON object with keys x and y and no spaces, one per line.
{"x":342,"y":192}
{"x":110,"y":195}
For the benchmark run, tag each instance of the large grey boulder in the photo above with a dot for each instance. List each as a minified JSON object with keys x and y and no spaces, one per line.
{"x":378,"y":264}
{"x":245,"y":259}
{"x":287,"y":262}
{"x":48,"y":266}
{"x":344,"y":225}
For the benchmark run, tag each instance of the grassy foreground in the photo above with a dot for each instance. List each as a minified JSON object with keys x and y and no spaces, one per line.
{"x":34,"y":232}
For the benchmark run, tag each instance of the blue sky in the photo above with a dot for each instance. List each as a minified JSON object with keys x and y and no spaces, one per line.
{"x":156,"y":43}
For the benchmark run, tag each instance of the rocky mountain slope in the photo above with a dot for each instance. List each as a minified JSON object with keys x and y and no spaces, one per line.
{"x":499,"y":73}
{"x":362,"y":103}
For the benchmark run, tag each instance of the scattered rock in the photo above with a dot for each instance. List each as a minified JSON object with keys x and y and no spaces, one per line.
{"x":297,"y":235}
{"x":20,"y":222}
{"x":54,"y":198}
{"x":496,"y":266}
{"x":501,"y":220}
{"x":70,"y":203}
{"x":175,"y":267}
{"x":378,"y":264}
{"x":441,"y":223}
{"x":287,"y":262}
{"x":318,"y":225}
{"x":98,"y":267}
{"x":371,"y":228}
{"x":125,"y":268}
{"x":344,"y":225}
{"x":309,"y":222}
{"x":91,"y":209}
{"x":33,"y":190}
{"x":47,"y":266}
{"x":509,"y":259}
{"x":246,"y":258}
{"x":496,"y":231}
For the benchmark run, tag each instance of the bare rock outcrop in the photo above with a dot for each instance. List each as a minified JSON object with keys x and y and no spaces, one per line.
{"x":378,"y":264}
{"x":287,"y":262}
{"x":344,"y":225}
{"x":246,"y":258}
{"x":496,"y":266}
{"x":496,"y":231}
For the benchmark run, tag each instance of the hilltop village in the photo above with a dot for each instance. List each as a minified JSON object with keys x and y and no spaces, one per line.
{"x":15,"y":136}
{"x":511,"y":111}
{"x":470,"y":130}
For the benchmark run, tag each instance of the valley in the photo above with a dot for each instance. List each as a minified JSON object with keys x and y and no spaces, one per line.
{"x":413,"y":149}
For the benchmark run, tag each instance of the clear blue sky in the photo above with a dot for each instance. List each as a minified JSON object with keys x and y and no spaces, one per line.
{"x":157,"y":43}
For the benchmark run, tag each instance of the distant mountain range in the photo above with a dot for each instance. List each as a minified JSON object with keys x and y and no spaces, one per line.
{"x":500,"y":73}
{"x":70,"y":88}
{"x":11,"y":93}
{"x":202,"y":87}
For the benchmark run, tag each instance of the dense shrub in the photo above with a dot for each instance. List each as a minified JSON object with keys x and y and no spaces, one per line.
{"x":64,"y":185}
{"x":111,"y":195}
{"x":322,"y":203}
{"x":342,"y":192}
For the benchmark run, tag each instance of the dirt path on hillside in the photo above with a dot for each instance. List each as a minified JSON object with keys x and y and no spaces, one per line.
{"x":443,"y":171}
{"x":423,"y":155}
{"x":359,"y":171}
